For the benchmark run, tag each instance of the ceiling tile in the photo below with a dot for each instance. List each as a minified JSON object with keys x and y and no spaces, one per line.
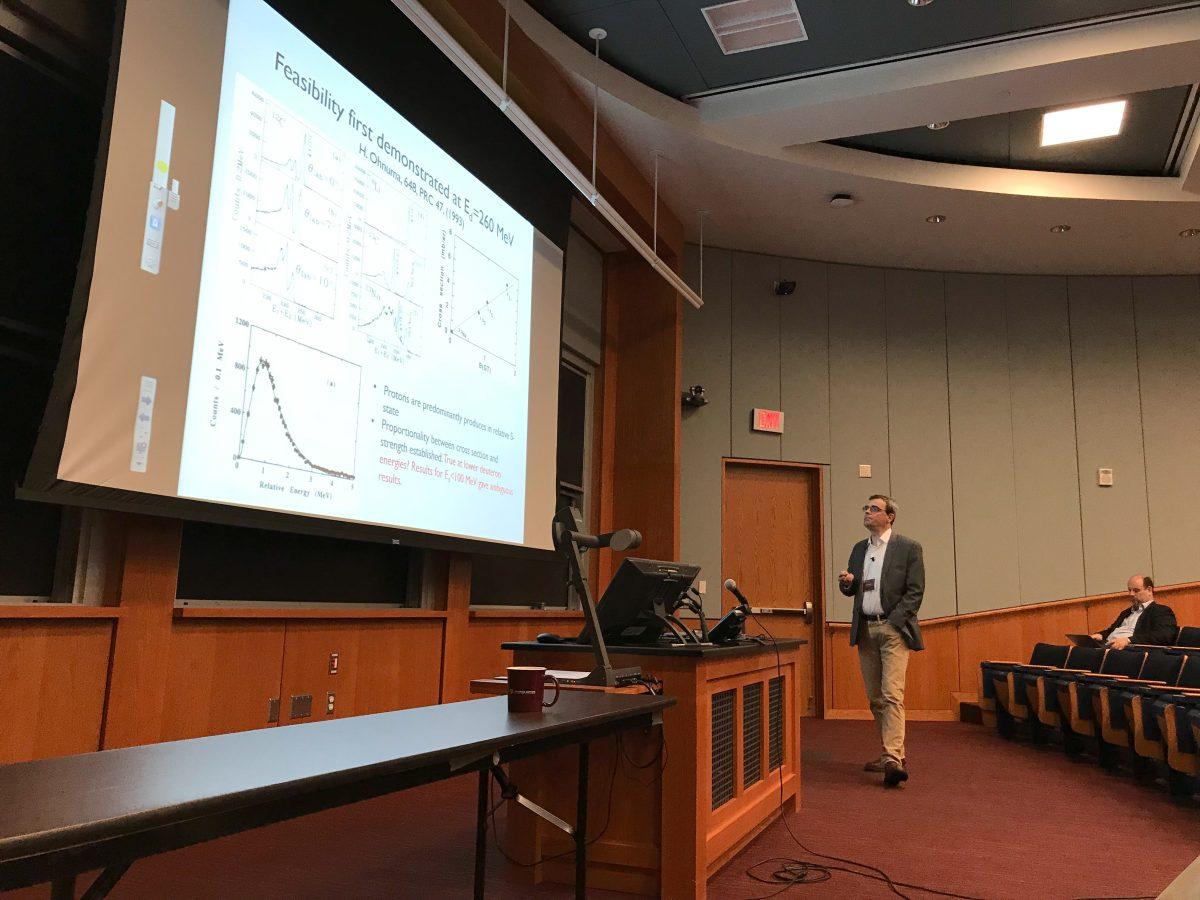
{"x":1014,"y":140}
{"x":1029,"y":14}
{"x":839,"y":33}
{"x":642,"y":42}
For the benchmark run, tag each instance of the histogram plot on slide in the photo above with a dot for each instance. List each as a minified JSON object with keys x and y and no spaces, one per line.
{"x":483,"y":303}
{"x":299,"y":407}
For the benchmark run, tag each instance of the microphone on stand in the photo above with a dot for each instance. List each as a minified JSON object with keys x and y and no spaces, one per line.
{"x":731,"y":586}
{"x":729,"y":629}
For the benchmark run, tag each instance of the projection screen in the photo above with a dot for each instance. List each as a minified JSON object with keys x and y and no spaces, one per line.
{"x":301,"y":303}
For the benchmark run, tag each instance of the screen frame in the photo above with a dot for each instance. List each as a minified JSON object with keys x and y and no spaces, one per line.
{"x":41,"y":483}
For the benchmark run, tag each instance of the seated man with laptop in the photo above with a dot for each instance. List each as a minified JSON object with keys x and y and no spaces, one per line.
{"x":1144,"y":622}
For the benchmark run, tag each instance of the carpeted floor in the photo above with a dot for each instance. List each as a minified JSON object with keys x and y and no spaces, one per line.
{"x":981,"y":817}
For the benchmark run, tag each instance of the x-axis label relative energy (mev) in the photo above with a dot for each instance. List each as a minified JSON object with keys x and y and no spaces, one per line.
{"x":362,"y":333}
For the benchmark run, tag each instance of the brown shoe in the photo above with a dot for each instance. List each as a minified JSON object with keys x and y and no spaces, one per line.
{"x":894,"y":773}
{"x":875,"y":765}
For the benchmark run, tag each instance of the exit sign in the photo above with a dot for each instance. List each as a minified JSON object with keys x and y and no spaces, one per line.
{"x":767,"y":420}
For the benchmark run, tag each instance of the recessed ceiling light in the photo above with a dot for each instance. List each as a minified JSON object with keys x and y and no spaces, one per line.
{"x":919,"y":2}
{"x":935,"y":220}
{"x":937,"y":126}
{"x":1059,"y":229}
{"x":841,"y":201}
{"x":1082,"y":123}
{"x":1190,"y":232}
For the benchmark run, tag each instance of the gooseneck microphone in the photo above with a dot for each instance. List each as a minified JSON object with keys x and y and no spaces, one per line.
{"x":731,"y":586}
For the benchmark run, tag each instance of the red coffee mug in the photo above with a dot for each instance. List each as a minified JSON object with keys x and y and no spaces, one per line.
{"x":527,"y":689}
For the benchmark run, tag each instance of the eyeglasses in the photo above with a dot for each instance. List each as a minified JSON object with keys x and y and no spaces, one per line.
{"x":874,"y":509}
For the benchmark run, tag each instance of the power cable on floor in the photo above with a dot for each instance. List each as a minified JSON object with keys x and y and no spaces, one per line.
{"x":797,"y":871}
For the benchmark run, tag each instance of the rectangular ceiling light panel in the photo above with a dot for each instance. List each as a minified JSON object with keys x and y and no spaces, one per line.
{"x":753,"y":24}
{"x":1082,"y":123}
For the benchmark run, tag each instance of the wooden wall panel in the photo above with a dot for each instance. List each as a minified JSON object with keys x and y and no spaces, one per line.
{"x":142,"y":645}
{"x":1046,"y":477}
{"x":985,"y":515}
{"x":485,"y":633}
{"x":858,"y":431}
{"x":399,"y":665}
{"x":1167,"y":314}
{"x":643,"y":342}
{"x":54,"y":674}
{"x":705,"y":430}
{"x":1185,"y":601}
{"x":755,"y":332}
{"x":932,"y":675}
{"x":1011,"y":636}
{"x":919,"y":427}
{"x":1102,"y":613}
{"x":221,"y":675}
{"x":804,"y":362}
{"x":306,"y":650}
{"x":1108,"y":421}
{"x":848,"y":691}
{"x":486,"y":659}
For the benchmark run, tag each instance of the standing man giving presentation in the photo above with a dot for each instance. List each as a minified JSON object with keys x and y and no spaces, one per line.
{"x":886,"y":578}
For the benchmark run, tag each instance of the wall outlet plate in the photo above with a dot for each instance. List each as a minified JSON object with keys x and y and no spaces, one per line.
{"x":1104,"y":477}
{"x":864,"y":471}
{"x":301,"y":706}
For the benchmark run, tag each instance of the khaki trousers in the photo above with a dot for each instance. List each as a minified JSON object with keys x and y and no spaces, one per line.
{"x":883,"y":658}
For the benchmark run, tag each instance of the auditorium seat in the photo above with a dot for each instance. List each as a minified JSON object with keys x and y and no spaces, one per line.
{"x":1139,"y":700}
{"x":1178,"y":740}
{"x":996,"y":686}
{"x":1043,"y":699}
{"x":1189,"y":636}
{"x":1162,"y":668}
{"x":1076,"y":691}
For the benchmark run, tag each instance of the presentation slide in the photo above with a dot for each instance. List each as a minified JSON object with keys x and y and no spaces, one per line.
{"x":362,"y":335}
{"x":337,"y":319}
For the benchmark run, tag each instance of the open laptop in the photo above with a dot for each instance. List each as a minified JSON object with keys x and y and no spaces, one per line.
{"x":1084,"y":640}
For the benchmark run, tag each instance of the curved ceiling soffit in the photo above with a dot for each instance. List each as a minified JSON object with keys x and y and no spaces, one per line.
{"x":790,"y":121}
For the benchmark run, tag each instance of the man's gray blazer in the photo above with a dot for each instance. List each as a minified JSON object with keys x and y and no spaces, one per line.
{"x":901,"y":589}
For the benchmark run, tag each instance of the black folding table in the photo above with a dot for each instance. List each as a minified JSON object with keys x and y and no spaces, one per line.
{"x":60,"y":817}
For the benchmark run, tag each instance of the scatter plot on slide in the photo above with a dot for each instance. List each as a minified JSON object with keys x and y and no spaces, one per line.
{"x":299,"y":407}
{"x":483,"y":303}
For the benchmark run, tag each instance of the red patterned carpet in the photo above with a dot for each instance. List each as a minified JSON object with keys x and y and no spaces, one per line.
{"x":981,"y":817}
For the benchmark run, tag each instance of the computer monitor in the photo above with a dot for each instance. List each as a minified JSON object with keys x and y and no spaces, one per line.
{"x":640,"y":588}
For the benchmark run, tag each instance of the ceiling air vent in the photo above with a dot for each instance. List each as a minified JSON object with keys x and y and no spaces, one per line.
{"x":754,"y":24}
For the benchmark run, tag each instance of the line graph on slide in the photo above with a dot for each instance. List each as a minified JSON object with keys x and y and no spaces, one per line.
{"x":290,"y":185}
{"x":384,"y":305}
{"x":299,"y":407}
{"x":483,"y":302}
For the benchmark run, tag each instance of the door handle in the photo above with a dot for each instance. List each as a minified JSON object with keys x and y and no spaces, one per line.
{"x":807,"y":611}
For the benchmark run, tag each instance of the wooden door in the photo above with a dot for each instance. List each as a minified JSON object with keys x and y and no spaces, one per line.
{"x":772,"y":546}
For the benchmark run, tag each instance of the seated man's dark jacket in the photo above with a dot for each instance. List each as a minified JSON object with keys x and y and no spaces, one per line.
{"x":1156,"y":625}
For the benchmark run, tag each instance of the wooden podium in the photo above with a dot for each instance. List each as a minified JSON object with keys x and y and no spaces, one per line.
{"x":669,"y":821}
